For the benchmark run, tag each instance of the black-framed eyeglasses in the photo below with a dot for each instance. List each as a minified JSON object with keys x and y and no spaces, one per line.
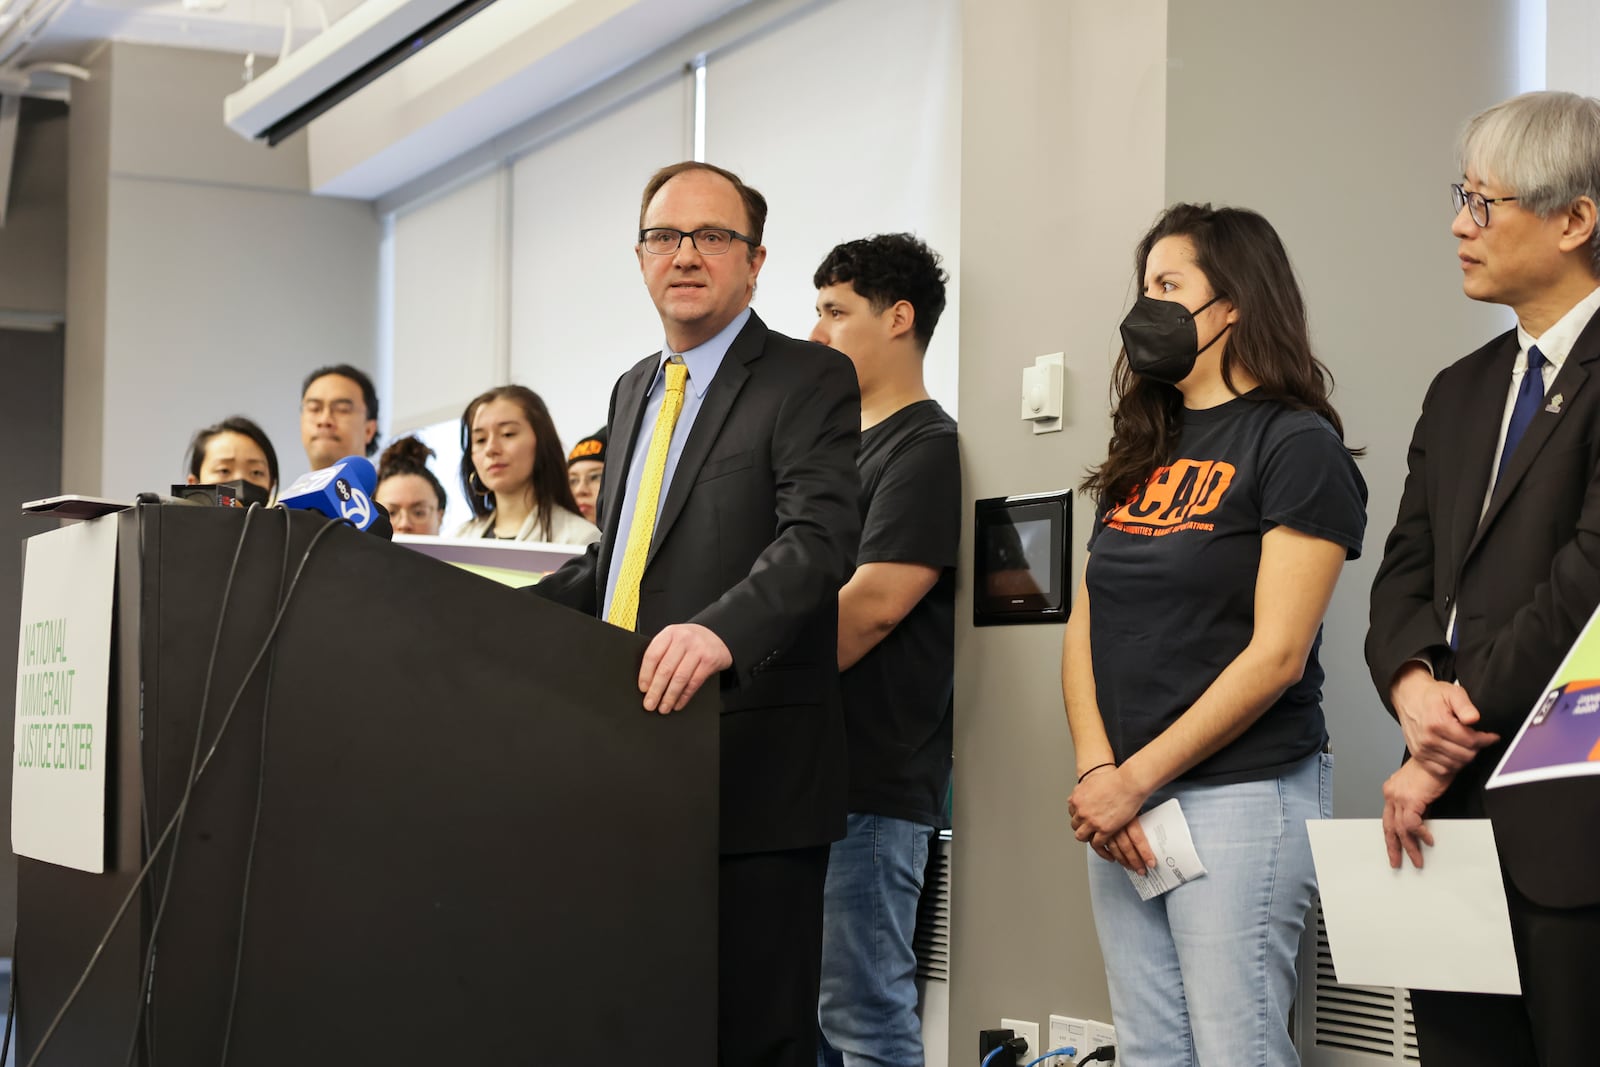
{"x":1477,"y":204}
{"x":708,"y":240}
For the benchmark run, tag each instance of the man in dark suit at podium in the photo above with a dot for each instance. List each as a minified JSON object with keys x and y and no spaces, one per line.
{"x":1493,"y":565}
{"x":730,"y":523}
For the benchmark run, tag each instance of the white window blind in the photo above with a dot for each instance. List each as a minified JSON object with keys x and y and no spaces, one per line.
{"x":580,"y":315}
{"x":848,"y":120}
{"x":449,"y":293}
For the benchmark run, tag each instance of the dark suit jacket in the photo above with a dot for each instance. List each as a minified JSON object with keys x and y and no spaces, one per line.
{"x":758,"y":532}
{"x":1527,"y":575}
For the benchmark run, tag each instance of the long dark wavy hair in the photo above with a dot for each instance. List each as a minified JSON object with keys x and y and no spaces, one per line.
{"x":1247,"y":266}
{"x":550,"y":487}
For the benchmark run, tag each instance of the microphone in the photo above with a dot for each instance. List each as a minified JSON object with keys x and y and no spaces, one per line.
{"x":342,"y":491}
{"x":234,"y":494}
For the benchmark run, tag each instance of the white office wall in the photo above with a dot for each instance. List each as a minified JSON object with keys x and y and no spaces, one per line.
{"x":1566,"y":38}
{"x":203,"y":278}
{"x":848,"y":119}
{"x":448,"y":302}
{"x":220,"y":301}
{"x":580,"y":315}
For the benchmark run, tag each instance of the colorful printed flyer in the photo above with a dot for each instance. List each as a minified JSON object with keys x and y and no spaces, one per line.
{"x":1561,"y":736}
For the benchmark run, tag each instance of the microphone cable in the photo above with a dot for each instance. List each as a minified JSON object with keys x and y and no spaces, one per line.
{"x":255,"y":823}
{"x":142,"y":1010}
{"x":166,"y":833}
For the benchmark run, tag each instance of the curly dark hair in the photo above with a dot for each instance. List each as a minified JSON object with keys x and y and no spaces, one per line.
{"x":887,"y":268}
{"x":410,"y":456}
{"x":1242,"y":256}
{"x":550,"y":487}
{"x":233,"y":424}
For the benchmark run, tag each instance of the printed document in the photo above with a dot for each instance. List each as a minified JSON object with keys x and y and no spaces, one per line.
{"x":1176,"y":860}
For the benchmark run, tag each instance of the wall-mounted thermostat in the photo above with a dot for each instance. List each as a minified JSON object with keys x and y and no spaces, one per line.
{"x":1041,"y":392}
{"x":1020,"y":562}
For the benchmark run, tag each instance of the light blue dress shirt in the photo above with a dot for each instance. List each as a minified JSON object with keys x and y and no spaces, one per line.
{"x":703,"y":362}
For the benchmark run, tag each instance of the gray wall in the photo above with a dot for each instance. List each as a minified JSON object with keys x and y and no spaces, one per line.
{"x":1348,"y":148}
{"x":30,"y":435}
{"x":1063,"y":127}
{"x":88,"y":234}
{"x":33,"y":242}
{"x":205,"y":280}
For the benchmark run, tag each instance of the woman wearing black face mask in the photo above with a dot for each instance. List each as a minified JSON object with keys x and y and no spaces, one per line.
{"x":1228,"y":504}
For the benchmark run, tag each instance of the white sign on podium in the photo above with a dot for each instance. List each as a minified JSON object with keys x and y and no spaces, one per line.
{"x":58,"y":763}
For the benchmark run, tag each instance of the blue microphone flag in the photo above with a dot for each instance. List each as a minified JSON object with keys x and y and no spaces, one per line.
{"x":342,"y":491}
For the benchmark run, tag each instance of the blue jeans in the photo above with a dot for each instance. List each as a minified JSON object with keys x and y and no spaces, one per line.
{"x":867,"y":1011}
{"x":1205,"y":975}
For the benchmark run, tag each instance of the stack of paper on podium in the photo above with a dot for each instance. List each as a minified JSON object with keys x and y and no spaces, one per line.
{"x":513,"y":563}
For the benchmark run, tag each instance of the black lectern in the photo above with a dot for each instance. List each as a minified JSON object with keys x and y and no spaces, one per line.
{"x":473,"y":845}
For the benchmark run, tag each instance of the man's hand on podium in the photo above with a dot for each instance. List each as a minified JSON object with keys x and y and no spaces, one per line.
{"x":677,"y":663}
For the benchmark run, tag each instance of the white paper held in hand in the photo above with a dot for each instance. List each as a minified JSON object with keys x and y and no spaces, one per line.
{"x":1176,"y":860}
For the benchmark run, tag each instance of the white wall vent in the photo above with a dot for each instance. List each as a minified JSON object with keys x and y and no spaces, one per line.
{"x":1348,"y":1025}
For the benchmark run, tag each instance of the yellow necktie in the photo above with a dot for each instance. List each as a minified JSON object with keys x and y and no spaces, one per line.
{"x":625,"y":598}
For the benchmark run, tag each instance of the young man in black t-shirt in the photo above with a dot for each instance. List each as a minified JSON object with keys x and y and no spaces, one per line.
{"x":878,"y":301}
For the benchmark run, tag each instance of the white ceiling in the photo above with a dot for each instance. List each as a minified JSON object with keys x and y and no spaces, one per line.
{"x":502,"y":68}
{"x":235,"y":26}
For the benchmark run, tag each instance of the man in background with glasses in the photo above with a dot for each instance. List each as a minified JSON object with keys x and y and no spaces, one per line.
{"x":1493,"y":565}
{"x":338,"y":415}
{"x":729,"y":524}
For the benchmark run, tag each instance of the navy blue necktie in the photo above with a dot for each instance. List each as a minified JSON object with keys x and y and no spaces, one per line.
{"x":1530,"y":395}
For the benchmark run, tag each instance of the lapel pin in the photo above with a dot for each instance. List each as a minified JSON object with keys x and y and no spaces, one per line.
{"x":1554,"y":407}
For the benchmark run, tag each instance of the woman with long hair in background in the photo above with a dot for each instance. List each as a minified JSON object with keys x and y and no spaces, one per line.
{"x":514,"y":471}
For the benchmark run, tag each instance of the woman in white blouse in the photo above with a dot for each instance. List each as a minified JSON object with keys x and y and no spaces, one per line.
{"x":514,"y":471}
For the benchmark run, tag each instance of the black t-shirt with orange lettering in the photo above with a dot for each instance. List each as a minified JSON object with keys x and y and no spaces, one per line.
{"x":1172,"y":576}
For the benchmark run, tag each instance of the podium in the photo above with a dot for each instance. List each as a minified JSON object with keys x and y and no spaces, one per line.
{"x":473,"y":845}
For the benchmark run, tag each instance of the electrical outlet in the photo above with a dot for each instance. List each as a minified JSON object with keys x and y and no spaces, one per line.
{"x":1066,"y":1032}
{"x":1030,"y":1031}
{"x":1101,"y":1034}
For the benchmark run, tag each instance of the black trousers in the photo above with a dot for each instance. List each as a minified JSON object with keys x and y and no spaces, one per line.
{"x":1551,"y":1025}
{"x":769,"y":957}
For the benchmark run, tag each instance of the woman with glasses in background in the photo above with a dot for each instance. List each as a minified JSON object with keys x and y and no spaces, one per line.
{"x":586,"y":468}
{"x":408,"y":490}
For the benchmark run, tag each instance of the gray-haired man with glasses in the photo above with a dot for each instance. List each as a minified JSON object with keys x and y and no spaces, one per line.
{"x":1493,"y":565}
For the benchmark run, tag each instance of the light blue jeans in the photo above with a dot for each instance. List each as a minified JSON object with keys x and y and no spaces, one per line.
{"x":1205,"y":975}
{"x":867,"y":1011}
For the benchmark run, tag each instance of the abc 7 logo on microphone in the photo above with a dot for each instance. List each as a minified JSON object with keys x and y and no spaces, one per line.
{"x":354,"y":504}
